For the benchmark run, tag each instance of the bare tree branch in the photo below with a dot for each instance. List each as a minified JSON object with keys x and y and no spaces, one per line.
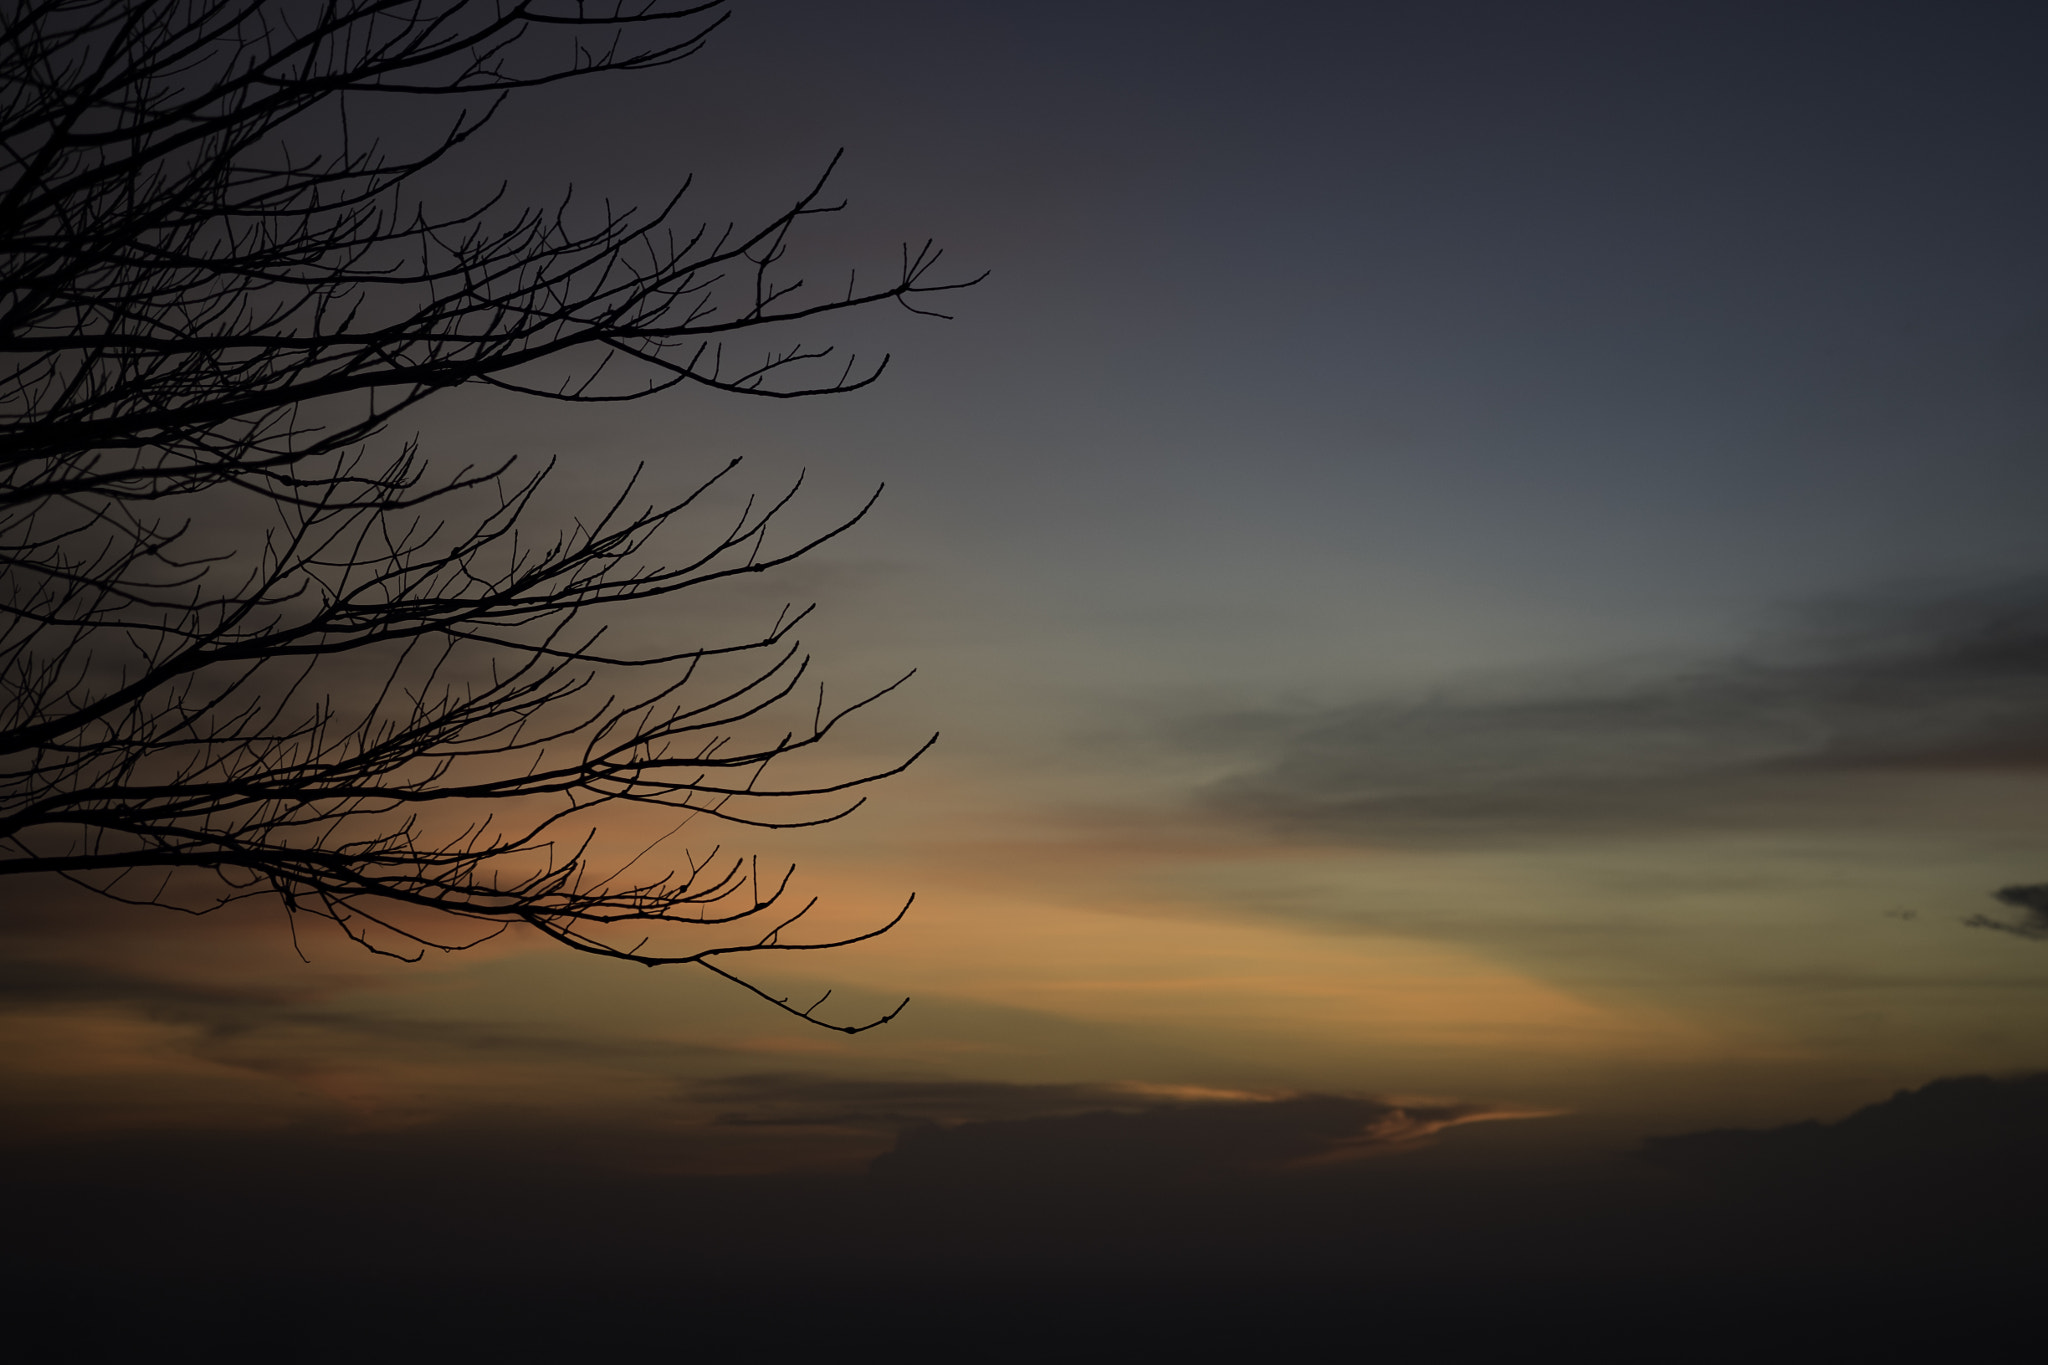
{"x":215,"y":295}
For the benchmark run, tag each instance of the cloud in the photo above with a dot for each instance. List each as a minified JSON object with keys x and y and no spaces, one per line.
{"x":243,"y":1011}
{"x":1862,"y":690}
{"x":1966,"y":1127}
{"x":43,"y":982}
{"x":801,"y":1100}
{"x":1164,"y":1143}
{"x":2031,"y":901}
{"x":1080,"y":1136}
{"x":107,"y":1048}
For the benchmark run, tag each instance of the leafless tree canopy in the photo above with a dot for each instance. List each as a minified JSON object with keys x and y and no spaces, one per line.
{"x":217,"y":291}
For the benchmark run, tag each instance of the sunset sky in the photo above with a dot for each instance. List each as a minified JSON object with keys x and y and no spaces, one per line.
{"x":1480,"y":559}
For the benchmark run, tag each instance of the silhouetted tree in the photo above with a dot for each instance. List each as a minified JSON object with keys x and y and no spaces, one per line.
{"x":244,"y":654}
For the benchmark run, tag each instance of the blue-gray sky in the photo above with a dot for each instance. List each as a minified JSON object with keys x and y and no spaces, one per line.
{"x":1390,"y":337}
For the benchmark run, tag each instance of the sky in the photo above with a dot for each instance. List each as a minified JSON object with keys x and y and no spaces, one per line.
{"x":1476,"y":561}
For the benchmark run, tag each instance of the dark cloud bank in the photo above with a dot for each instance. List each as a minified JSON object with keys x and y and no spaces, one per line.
{"x":1054,"y":1224}
{"x":1861,"y":692}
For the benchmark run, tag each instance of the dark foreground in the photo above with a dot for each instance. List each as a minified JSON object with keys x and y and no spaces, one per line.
{"x":1913,"y":1226}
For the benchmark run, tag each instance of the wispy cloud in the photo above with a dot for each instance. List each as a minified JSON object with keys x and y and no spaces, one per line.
{"x":1005,"y":1134}
{"x":804,"y":1100}
{"x":1912,"y":684}
{"x":1167,"y":1143}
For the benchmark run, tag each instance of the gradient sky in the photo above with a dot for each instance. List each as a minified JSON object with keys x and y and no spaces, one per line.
{"x":1479,"y":555}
